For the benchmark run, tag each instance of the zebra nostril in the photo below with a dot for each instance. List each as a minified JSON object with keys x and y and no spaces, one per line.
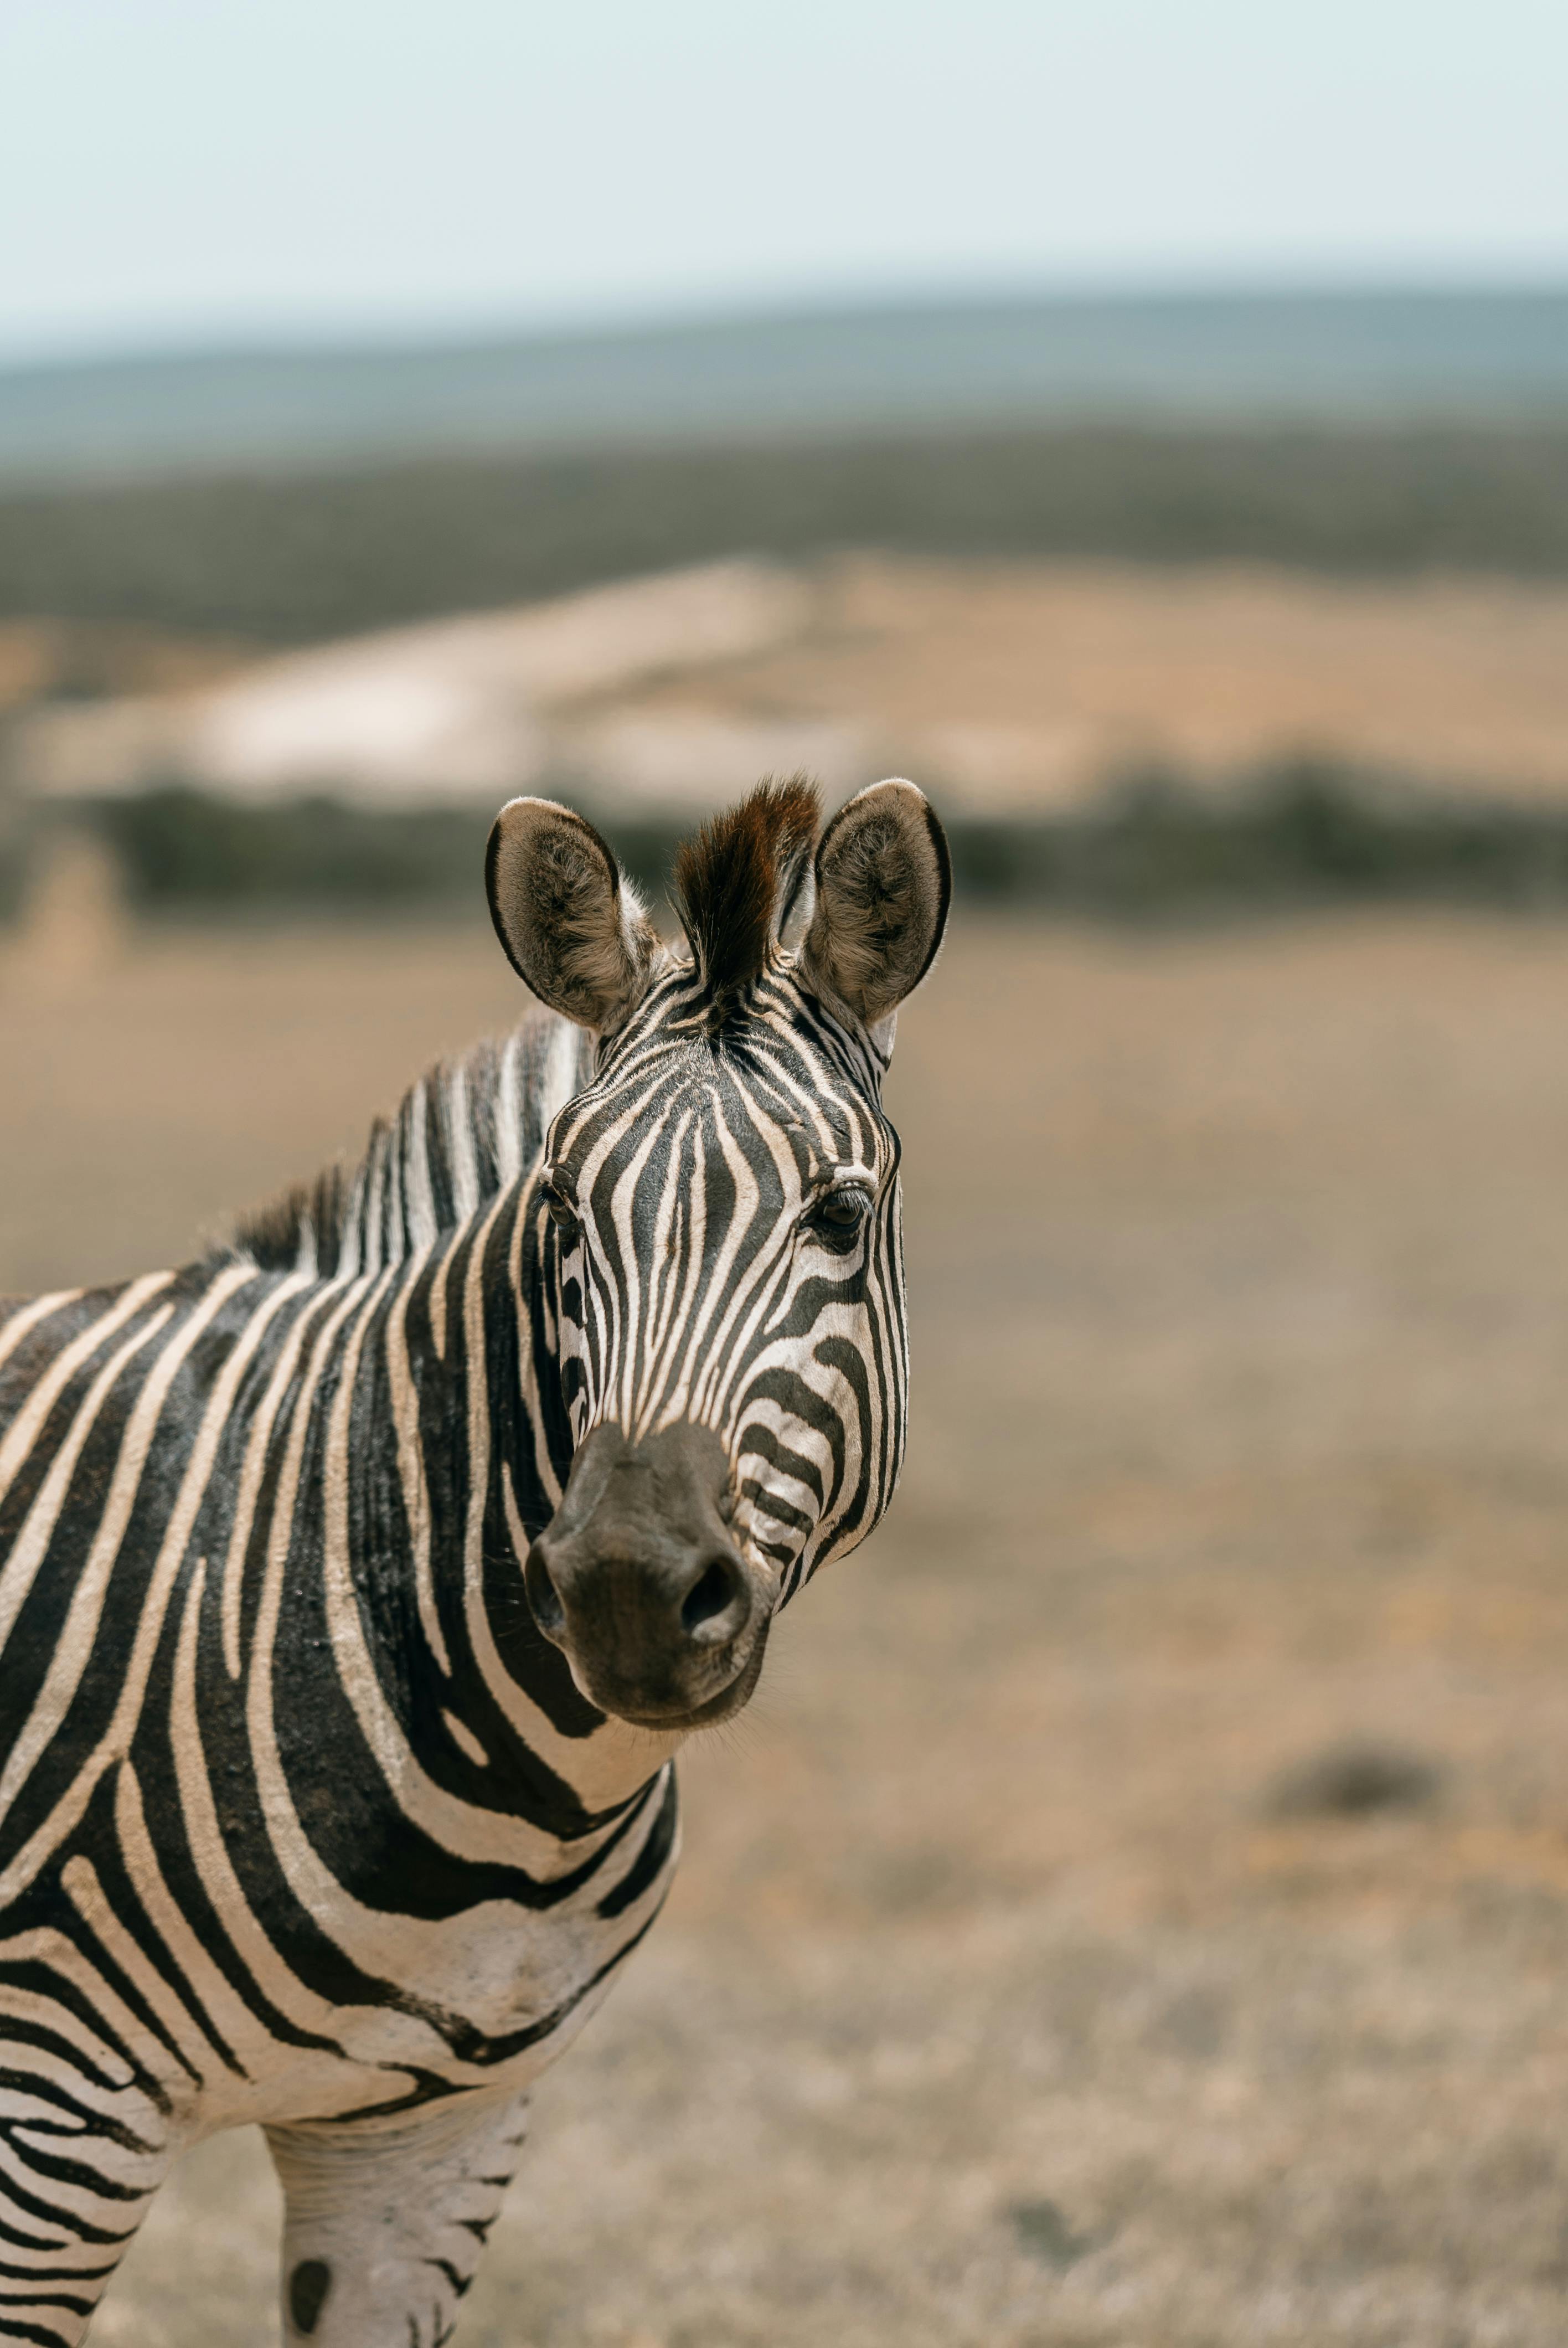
{"x":543,"y":1597}
{"x":712,"y":1595}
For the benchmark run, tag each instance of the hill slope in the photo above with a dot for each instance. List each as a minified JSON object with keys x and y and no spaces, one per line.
{"x":1326,"y":356}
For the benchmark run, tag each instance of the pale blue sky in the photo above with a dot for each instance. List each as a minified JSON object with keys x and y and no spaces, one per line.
{"x":193,"y":171}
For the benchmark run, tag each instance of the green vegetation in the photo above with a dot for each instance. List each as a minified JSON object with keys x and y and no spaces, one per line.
{"x":1299,"y":833}
{"x":288,"y":558}
{"x":179,"y":848}
{"x":16,"y":850}
{"x":1153,"y":847}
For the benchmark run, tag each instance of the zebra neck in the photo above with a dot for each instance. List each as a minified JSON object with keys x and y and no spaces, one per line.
{"x":472,"y":1454}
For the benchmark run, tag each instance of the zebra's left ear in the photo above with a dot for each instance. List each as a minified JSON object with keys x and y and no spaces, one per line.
{"x":883,"y":881}
{"x":573,"y":930}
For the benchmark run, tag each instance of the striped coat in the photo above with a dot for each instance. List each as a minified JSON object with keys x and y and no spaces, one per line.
{"x":359,"y":1583}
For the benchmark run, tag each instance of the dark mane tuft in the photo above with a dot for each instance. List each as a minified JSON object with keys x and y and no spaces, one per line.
{"x":271,"y":1234}
{"x":735,"y":881}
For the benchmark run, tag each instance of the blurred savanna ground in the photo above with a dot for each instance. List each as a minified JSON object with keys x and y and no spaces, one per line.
{"x":1135,"y":1908}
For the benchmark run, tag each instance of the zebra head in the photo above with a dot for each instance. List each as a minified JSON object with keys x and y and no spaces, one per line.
{"x":718,"y":1223}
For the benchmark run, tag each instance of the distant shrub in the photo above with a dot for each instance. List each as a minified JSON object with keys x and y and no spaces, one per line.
{"x":14,"y":869}
{"x":1297,"y":832}
{"x":16,"y":848}
{"x":178,"y":846}
{"x":1152,"y":847}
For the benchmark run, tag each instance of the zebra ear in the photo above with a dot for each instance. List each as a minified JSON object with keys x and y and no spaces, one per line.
{"x":573,"y":930}
{"x":884,"y":879}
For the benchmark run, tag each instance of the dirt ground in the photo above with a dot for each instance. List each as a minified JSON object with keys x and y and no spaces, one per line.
{"x":1026,"y":685}
{"x":1135,"y":1913}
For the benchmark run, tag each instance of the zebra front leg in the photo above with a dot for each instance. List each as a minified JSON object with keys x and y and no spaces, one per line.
{"x":383,"y":2225}
{"x":81,"y":2157}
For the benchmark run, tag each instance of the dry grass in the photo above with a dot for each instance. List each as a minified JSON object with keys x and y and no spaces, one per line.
{"x":88,"y":657}
{"x":1025,"y":682}
{"x":1015,"y":1992}
{"x":1018,"y":684}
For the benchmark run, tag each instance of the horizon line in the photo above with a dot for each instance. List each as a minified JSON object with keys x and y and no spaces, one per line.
{"x":407,"y":339}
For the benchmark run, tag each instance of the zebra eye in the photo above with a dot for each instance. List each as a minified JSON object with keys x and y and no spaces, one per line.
{"x":839,"y":1215}
{"x":560,"y":1208}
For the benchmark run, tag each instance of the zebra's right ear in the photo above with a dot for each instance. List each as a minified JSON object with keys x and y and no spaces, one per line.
{"x":884,"y":879}
{"x":573,"y":930}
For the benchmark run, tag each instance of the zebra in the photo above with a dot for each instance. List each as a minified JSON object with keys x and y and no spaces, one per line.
{"x":359,"y":1583}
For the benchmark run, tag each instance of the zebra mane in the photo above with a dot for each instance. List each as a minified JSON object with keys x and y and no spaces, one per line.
{"x":468,"y":1127}
{"x":736,"y":882}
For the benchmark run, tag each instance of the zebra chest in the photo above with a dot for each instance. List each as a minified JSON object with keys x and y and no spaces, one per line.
{"x":477,"y":1918}
{"x":276,"y":1988}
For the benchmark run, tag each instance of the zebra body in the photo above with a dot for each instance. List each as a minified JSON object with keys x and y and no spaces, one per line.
{"x":358,"y":1584}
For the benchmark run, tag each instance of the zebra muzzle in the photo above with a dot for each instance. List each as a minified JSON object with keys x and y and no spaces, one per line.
{"x":640,"y":1582}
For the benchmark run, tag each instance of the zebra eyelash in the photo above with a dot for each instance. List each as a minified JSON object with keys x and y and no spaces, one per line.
{"x":829,"y":1181}
{"x":839,"y":1216}
{"x":856,"y":1177}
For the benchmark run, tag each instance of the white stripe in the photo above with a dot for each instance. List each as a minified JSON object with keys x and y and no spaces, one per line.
{"x":509,"y":1114}
{"x":561,"y":1080}
{"x":252,"y":1471}
{"x":411,"y":1461}
{"x":463,"y":1738}
{"x":421,"y":1196}
{"x":460,"y":1144}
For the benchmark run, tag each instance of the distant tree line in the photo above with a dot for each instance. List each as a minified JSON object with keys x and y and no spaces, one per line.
{"x":1154,"y":846}
{"x":287,"y":558}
